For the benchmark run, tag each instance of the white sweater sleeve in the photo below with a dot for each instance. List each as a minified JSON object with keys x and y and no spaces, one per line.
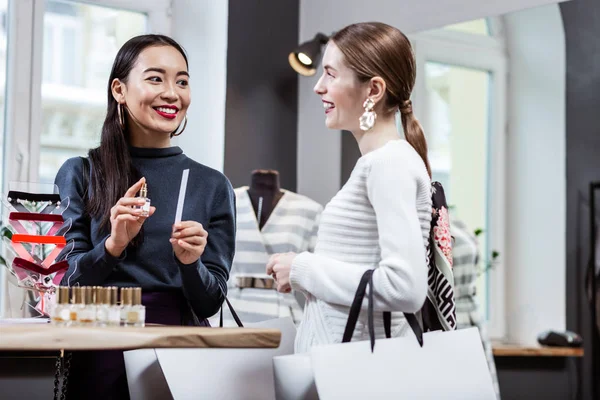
{"x":400,"y":279}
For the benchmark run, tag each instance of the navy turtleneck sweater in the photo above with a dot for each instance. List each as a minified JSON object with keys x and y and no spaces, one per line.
{"x":209,"y":200}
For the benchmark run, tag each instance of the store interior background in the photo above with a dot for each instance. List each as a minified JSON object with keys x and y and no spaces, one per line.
{"x":519,"y":109}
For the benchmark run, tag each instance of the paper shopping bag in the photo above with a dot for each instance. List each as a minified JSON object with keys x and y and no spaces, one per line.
{"x":450,"y":365}
{"x":226,"y":373}
{"x":447,"y":365}
{"x":208,"y":373}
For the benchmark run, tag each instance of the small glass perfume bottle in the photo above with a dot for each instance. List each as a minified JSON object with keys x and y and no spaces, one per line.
{"x":126,"y":303}
{"x":114,"y":310}
{"x":77,"y":306}
{"x":87,"y":313}
{"x":144,"y":195}
{"x":137,"y":314}
{"x":102,"y":302}
{"x":61,"y":315}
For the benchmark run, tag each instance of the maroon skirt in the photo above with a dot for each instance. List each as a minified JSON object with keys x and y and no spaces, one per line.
{"x":101,"y":374}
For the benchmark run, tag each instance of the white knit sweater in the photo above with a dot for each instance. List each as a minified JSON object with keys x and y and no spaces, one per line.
{"x":379,"y":220}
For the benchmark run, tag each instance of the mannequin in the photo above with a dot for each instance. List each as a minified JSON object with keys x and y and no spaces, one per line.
{"x":265,"y":193}
{"x":269,"y":220}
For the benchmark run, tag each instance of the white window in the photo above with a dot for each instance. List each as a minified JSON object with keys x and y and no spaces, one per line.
{"x":83,"y":41}
{"x":63,"y":53}
{"x":460,"y":98}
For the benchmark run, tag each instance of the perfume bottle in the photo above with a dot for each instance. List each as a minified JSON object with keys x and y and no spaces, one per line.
{"x":96,"y":300}
{"x":114,"y":310}
{"x":87,"y":312}
{"x":144,"y":195}
{"x":102,"y":301}
{"x":126,"y":304}
{"x":61,"y":314}
{"x":137,"y":313}
{"x":76,"y":306}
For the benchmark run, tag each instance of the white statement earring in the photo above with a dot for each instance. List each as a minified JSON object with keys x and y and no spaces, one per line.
{"x":367,"y":120}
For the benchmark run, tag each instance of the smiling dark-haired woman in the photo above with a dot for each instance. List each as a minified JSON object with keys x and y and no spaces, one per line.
{"x":182,"y":268}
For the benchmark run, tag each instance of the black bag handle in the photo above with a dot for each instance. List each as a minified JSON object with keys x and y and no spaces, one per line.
{"x":237,"y":319}
{"x":367,"y":279}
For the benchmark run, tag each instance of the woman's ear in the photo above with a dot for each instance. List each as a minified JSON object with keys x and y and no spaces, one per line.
{"x":377,"y":89}
{"x":118,"y":90}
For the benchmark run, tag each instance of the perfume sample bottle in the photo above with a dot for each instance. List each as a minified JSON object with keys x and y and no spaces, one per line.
{"x":137,"y":313}
{"x":61,"y":315}
{"x":144,"y":195}
{"x":114,"y":310}
{"x":126,"y":304}
{"x":102,"y":301}
{"x":86,"y":315}
{"x":76,"y":306}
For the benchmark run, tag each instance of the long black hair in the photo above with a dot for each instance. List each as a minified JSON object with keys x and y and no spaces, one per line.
{"x":112,"y":169}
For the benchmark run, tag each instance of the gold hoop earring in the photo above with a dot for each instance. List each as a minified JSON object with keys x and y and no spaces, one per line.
{"x":121,"y":114}
{"x":181,"y":131}
{"x":367,"y":120}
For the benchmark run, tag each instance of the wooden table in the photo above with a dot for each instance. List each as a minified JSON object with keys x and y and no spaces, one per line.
{"x":28,"y":351}
{"x":46,"y":337}
{"x":533,"y":371}
{"x":515,"y":350}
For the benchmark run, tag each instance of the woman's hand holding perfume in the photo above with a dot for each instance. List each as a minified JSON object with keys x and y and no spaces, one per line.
{"x":126,"y":219}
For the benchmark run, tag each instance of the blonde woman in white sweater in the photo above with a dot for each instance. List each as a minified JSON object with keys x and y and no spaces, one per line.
{"x":381,"y":218}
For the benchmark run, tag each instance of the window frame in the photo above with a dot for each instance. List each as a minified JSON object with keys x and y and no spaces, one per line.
{"x":485,"y":53}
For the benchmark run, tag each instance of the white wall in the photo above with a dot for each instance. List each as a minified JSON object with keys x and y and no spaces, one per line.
{"x":536,"y":175}
{"x":200,"y":26}
{"x":318,"y":148}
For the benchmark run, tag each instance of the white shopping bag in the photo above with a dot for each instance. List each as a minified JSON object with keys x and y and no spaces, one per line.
{"x":226,"y":373}
{"x":144,"y":376}
{"x":450,"y":365}
{"x":208,"y":373}
{"x":435,"y":365}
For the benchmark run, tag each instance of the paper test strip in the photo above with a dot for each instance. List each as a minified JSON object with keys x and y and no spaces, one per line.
{"x":182,"y":189}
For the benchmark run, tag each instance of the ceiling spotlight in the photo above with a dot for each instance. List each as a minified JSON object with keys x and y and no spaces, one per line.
{"x":306,"y":57}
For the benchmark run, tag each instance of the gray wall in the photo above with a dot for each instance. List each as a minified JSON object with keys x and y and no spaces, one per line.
{"x":581,"y":19}
{"x":350,"y":154}
{"x":262,"y":90}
